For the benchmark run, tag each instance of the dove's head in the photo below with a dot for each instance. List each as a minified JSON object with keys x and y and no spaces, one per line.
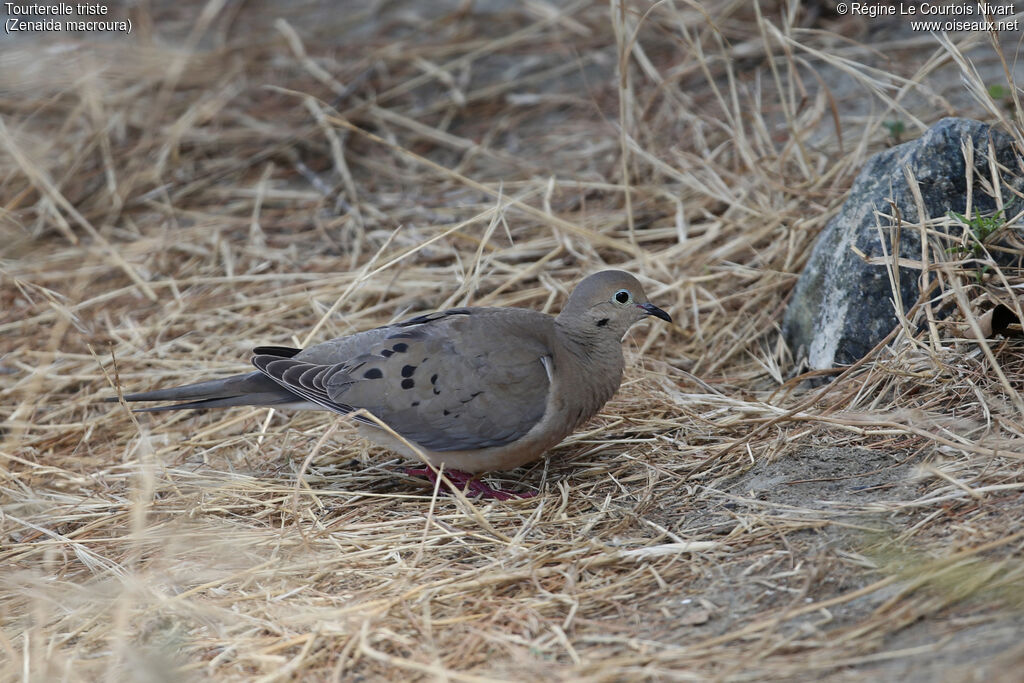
{"x":608,"y":302}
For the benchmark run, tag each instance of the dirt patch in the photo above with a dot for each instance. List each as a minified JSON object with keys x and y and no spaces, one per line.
{"x":828,"y":479}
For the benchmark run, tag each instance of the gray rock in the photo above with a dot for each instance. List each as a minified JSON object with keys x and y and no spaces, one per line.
{"x":842,"y":307}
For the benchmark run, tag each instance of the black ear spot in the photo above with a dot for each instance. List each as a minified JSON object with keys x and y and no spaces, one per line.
{"x":602,"y":322}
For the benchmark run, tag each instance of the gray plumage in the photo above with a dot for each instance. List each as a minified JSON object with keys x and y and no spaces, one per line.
{"x":476,"y":389}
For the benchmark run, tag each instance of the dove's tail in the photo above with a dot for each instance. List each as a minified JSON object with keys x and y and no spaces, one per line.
{"x":251,"y":389}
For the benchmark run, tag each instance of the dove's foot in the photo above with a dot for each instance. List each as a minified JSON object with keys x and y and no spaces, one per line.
{"x":464,"y":479}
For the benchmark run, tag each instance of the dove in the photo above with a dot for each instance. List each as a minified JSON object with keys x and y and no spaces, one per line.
{"x":471,"y":390}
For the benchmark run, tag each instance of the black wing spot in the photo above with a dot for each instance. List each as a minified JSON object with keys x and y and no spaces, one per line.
{"x":433,"y":378}
{"x":414,"y":404}
{"x":408,"y":384}
{"x":446,"y":412}
{"x":386,"y":353}
{"x":400,"y":347}
{"x":408,"y":370}
{"x":418,"y":320}
{"x":373,"y":373}
{"x":279,"y":351}
{"x":471,"y":397}
{"x":602,"y":322}
{"x":437,"y":392}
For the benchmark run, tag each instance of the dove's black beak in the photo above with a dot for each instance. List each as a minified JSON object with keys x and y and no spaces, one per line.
{"x":651,"y":309}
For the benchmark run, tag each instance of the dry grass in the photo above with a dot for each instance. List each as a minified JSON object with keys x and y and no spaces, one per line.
{"x":287,"y":180}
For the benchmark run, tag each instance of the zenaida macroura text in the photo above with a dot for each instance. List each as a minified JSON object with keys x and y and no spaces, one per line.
{"x":472,"y":389}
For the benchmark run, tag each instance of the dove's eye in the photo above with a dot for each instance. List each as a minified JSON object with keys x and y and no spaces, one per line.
{"x":623,"y":296}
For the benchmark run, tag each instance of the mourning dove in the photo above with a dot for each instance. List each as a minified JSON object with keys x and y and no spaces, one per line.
{"x":472,"y":389}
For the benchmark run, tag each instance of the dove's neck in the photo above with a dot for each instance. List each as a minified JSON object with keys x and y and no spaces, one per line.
{"x":592,"y":363}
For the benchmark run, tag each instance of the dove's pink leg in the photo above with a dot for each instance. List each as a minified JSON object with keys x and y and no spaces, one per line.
{"x":461,"y":479}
